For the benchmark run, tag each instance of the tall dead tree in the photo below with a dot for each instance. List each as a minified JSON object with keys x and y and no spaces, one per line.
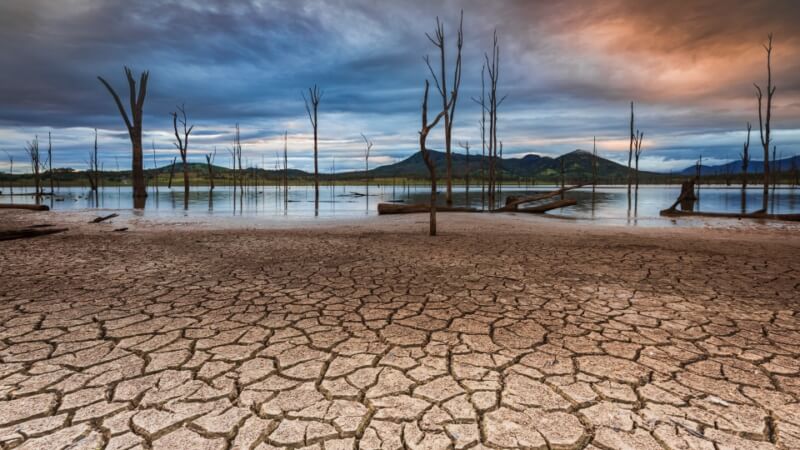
{"x":182,"y":144}
{"x":32,"y":149}
{"x":482,"y":103}
{"x":312,"y":107}
{"x":367,"y":149}
{"x":50,"y":161}
{"x":630,"y":152}
{"x":134,"y":125}
{"x":637,"y":148}
{"x":426,"y":155}
{"x":286,"y":167}
{"x":449,"y":98}
{"x":745,"y":156}
{"x":493,"y":70}
{"x":765,"y":118}
{"x":210,"y":162}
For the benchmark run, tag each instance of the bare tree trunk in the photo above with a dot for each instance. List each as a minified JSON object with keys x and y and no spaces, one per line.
{"x":33,"y":152}
{"x":172,"y":172}
{"x":210,"y":157}
{"x":764,"y":125}
{"x":630,"y":153}
{"x":183,"y":147}
{"x":50,"y":160}
{"x":426,"y":156}
{"x":594,"y":164}
{"x":312,"y":106}
{"x":286,"y":168}
{"x":134,"y":130}
{"x":449,"y":98}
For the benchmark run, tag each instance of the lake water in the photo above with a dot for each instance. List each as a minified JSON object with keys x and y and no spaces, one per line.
{"x":609,"y":204}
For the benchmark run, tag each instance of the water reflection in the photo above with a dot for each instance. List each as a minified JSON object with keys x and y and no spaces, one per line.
{"x":341,"y":200}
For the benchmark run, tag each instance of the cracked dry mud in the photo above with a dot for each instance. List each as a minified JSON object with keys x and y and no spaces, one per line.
{"x":547,"y":337}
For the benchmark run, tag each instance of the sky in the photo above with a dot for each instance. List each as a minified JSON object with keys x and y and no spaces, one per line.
{"x":570,"y":70}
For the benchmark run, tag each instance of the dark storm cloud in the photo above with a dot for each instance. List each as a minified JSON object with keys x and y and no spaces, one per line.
{"x":570,"y":68}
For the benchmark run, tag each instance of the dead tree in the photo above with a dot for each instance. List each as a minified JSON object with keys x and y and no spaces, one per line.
{"x":32,"y":149}
{"x":493,"y":70}
{"x":765,"y":118}
{"x":630,"y":152}
{"x":50,"y":161}
{"x":426,"y":156}
{"x":93,"y":172}
{"x":134,"y":129}
{"x":286,"y":167}
{"x":745,"y":155}
{"x":595,"y":163}
{"x":465,"y":146}
{"x":11,"y":168}
{"x":449,"y":98}
{"x":210,"y":162}
{"x":182,"y":144}
{"x":637,"y":148}
{"x":368,"y":148}
{"x":312,"y":106}
{"x":155,"y":165}
{"x":482,"y":103}
{"x":172,"y":172}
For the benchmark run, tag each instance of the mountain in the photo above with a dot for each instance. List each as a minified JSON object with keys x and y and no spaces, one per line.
{"x":735,"y":167}
{"x":577,"y":165}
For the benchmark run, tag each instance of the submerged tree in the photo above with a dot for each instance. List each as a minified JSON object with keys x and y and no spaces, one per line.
{"x":595,"y":163}
{"x":134,"y":125}
{"x":630,"y":153}
{"x":426,"y":155}
{"x":367,"y":150}
{"x":637,"y":148}
{"x":50,"y":161}
{"x":745,"y":155}
{"x":764,"y":118}
{"x":182,"y":144}
{"x":210,"y":162}
{"x":94,"y":171}
{"x":312,"y":107}
{"x":32,"y":149}
{"x":493,"y":70}
{"x":465,"y":146}
{"x":449,"y":98}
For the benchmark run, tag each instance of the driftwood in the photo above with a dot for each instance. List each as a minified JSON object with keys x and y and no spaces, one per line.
{"x":541,"y":209}
{"x":754,"y":215}
{"x":7,"y":235}
{"x":28,"y":207}
{"x":391,"y":208}
{"x":102,"y":218}
{"x":512,"y":203}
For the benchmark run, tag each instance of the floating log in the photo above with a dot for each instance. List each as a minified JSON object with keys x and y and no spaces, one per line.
{"x":753,"y":215}
{"x":541,"y":209}
{"x":512,"y":203}
{"x":23,"y":206}
{"x":7,"y":235}
{"x":102,"y":218}
{"x":391,"y":208}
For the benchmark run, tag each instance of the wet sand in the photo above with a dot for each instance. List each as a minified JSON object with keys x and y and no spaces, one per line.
{"x":503,"y":332}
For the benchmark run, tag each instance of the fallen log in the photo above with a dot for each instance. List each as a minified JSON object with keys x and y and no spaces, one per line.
{"x":8,"y":235}
{"x":512,"y":203}
{"x":102,"y":218}
{"x":391,"y":208}
{"x":23,"y":206}
{"x":754,"y":215}
{"x":541,"y":209}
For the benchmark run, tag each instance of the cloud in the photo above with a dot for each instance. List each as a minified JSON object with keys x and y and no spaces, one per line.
{"x":570,"y":69}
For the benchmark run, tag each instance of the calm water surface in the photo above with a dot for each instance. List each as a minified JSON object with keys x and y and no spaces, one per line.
{"x":609,"y":204}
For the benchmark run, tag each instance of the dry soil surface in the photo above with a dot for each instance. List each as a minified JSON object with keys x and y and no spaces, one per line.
{"x":503,"y":332}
